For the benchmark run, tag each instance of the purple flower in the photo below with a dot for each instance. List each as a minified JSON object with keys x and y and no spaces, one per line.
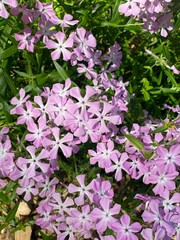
{"x":45,"y":219}
{"x":28,"y":187}
{"x":83,"y":102}
{"x":103,"y":115}
{"x":104,"y":155}
{"x":19,"y":102}
{"x":61,"y":46}
{"x":104,"y":216}
{"x":83,"y":190}
{"x":90,"y":73}
{"x":59,"y":143}
{"x":101,"y":189}
{"x":28,"y":114}
{"x":169,"y":158}
{"x":35,"y":162}
{"x":63,"y":231}
{"x":155,"y":214}
{"x":85,"y":41}
{"x":121,"y":163}
{"x":80,"y":219}
{"x":125,"y":230}
{"x":47,"y":185}
{"x":131,"y":7}
{"x":46,"y":12}
{"x":3,"y":11}
{"x":26,"y":40}
{"x":37,"y":132}
{"x":148,"y":234}
{"x":57,"y":203}
{"x":45,"y":31}
{"x":67,"y":21}
{"x":163,"y":178}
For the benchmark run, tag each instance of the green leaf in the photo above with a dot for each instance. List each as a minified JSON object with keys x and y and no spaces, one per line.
{"x":137,"y":143}
{"x":147,"y":155}
{"x":10,"y":82}
{"x":45,"y":237}
{"x":170,"y":76}
{"x":165,"y":90}
{"x":8,"y":52}
{"x":4,"y":198}
{"x":12,"y":213}
{"x":159,"y":129}
{"x":115,"y":14}
{"x":61,"y":71}
{"x":146,"y":94}
{"x":10,"y":186}
{"x":23,"y":74}
{"x":3,"y":226}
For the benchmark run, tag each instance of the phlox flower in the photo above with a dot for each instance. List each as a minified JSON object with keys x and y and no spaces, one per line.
{"x":83,"y":102}
{"x":154,"y":6}
{"x":38,"y":132}
{"x":95,"y":58}
{"x":83,"y":190}
{"x":67,"y":21}
{"x":27,"y":114}
{"x":148,"y":234}
{"x":80,"y":219}
{"x":42,"y":107}
{"x":57,"y":203}
{"x":170,"y":203}
{"x":61,"y":46}
{"x":46,"y":12}
{"x":163,"y":178}
{"x":45,"y":218}
{"x":155,"y":214}
{"x":165,"y":24}
{"x":119,"y":163}
{"x":125,"y":230}
{"x":62,"y":90}
{"x":5,"y":153}
{"x":131,"y":7}
{"x":101,"y":189}
{"x":169,"y":158}
{"x":26,"y":40}
{"x":45,"y":31}
{"x":102,"y":115}
{"x":85,"y":41}
{"x":64,"y":230}
{"x":104,"y":155}
{"x":28,"y":187}
{"x":137,"y":167}
{"x":114,"y":56}
{"x":104,"y":215}
{"x":3,"y":133}
{"x":3,"y":11}
{"x":47,"y":185}
{"x":60,"y":109}
{"x":10,"y":170}
{"x":59,"y":142}
{"x":19,"y":102}
{"x":36,"y":161}
{"x":89,"y":71}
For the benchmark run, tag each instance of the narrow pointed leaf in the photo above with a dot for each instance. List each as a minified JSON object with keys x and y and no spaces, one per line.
{"x":136,"y":143}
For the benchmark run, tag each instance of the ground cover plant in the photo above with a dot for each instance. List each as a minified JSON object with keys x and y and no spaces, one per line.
{"x":90,"y":118}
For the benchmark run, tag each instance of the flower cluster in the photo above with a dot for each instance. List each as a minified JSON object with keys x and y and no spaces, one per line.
{"x":78,"y":47}
{"x":156,"y":15}
{"x":59,"y":121}
{"x":88,"y":214}
{"x":63,"y":118}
